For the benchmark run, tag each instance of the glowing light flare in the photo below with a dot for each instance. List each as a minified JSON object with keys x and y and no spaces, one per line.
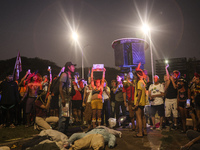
{"x":75,"y":36}
{"x":166,"y":61}
{"x":145,"y":28}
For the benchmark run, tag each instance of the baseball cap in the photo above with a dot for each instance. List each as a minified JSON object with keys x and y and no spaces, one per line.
{"x":68,"y":64}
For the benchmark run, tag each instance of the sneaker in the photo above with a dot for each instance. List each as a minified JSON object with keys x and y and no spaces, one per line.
{"x":174,"y":127}
{"x":12,"y":126}
{"x":182,"y":131}
{"x":160,"y":128}
{"x":2,"y":126}
{"x":152,"y":127}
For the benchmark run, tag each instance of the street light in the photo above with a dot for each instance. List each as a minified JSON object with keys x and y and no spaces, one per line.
{"x":75,"y":37}
{"x":147,"y":31}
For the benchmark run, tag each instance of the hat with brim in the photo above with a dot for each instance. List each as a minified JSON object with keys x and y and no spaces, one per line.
{"x":68,"y":64}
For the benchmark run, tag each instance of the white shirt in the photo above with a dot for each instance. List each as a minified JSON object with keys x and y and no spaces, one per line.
{"x":155,"y":90}
{"x":90,"y":94}
{"x":105,"y":96}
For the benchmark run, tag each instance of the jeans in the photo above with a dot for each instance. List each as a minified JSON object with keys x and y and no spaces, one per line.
{"x":63,"y":124}
{"x":105,"y":111}
{"x":117,"y":109}
{"x":112,"y":109}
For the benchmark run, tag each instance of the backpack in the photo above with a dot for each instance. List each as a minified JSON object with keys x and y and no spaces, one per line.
{"x":55,"y":86}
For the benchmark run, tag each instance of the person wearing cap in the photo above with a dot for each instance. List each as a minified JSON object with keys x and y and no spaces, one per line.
{"x":156,"y":93}
{"x":128,"y":94}
{"x":139,"y":102}
{"x":77,"y":99}
{"x":9,"y":99}
{"x":65,"y":90}
{"x":171,"y":96}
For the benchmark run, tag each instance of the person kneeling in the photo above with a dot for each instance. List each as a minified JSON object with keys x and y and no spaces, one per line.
{"x":41,"y":120}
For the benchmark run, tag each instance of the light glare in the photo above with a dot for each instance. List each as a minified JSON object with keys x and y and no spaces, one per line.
{"x":145,"y":28}
{"x":75,"y":36}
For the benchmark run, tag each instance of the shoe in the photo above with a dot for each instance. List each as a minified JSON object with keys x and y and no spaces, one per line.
{"x":138,"y":136}
{"x":2,"y":126}
{"x":182,"y":131}
{"x":153,"y":128}
{"x":12,"y":126}
{"x":160,"y":128}
{"x":27,"y":125}
{"x":133,"y":129}
{"x":174,"y":127}
{"x":145,"y":133}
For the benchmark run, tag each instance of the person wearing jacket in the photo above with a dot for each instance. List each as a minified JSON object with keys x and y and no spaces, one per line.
{"x":9,"y":99}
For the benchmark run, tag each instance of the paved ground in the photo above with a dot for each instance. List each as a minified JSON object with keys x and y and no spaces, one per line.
{"x":155,"y":140}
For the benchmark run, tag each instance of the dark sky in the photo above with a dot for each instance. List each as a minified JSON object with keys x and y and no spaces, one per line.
{"x":42,"y":28}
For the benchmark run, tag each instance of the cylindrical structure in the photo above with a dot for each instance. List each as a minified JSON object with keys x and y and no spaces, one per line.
{"x":129,"y":52}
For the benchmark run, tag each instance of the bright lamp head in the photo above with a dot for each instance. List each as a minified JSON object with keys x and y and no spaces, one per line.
{"x":145,"y":28}
{"x":75,"y":36}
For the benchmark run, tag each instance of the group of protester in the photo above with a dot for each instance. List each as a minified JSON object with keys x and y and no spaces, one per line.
{"x":67,"y":99}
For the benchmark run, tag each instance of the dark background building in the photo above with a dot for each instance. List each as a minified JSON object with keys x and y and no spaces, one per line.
{"x":187,"y":67}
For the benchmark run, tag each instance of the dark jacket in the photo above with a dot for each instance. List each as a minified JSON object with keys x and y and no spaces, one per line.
{"x":10,"y":93}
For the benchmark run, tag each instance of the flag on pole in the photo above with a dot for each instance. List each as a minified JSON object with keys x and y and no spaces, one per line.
{"x":18,"y":67}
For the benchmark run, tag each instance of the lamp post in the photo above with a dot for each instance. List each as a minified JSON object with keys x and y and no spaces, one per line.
{"x":75,"y":37}
{"x":146,"y":30}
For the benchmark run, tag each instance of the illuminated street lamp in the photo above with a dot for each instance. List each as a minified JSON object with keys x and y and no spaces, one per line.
{"x":75,"y":36}
{"x":147,"y":31}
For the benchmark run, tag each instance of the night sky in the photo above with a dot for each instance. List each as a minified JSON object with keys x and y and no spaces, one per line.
{"x":43,"y":28}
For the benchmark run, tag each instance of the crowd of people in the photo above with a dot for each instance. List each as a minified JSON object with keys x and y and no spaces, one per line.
{"x":66,"y":99}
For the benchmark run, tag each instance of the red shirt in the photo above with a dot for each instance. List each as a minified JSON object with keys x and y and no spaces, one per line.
{"x":78,"y":95}
{"x":129,"y":92}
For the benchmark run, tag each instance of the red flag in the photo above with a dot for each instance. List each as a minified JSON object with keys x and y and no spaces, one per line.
{"x":18,"y":66}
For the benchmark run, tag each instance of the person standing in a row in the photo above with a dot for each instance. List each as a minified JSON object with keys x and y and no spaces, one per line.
{"x":9,"y":99}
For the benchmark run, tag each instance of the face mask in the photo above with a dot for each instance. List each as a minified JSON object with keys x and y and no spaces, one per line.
{"x":179,"y":86}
